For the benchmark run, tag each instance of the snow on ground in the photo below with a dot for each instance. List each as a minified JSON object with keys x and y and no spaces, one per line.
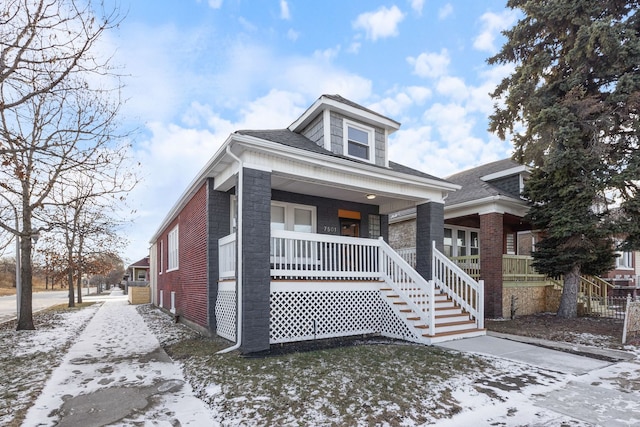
{"x":117,"y":367}
{"x":119,"y":352}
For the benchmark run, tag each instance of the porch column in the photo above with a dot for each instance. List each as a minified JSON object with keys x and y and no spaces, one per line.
{"x":429,"y":227}
{"x":491,"y":249}
{"x":256,"y":274}
{"x":218,"y":225}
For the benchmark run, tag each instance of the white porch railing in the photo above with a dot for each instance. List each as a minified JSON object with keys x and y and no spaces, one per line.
{"x":227,"y":256}
{"x":409,"y":255}
{"x":459,"y":286}
{"x":296,"y":256}
{"x":310,"y":256}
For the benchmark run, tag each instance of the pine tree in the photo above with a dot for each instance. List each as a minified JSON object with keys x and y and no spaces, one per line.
{"x":572,"y":109}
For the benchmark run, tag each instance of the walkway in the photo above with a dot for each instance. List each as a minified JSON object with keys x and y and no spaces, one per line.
{"x":116,"y":373}
{"x":597,"y":392}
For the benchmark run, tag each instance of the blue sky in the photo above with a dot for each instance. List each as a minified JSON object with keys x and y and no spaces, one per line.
{"x":198,"y":70}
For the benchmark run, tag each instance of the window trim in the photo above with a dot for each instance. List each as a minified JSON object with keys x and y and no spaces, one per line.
{"x":370,"y":140}
{"x":173,"y":249}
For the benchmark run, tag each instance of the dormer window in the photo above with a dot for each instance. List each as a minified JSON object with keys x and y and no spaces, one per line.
{"x":358,"y":141}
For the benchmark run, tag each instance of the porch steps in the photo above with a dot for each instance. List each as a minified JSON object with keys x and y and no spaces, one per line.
{"x":451,"y":322}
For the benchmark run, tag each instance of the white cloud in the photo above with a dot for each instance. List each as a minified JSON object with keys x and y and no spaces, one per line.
{"x":430,"y":64}
{"x":445,"y":11}
{"x":215,"y":4}
{"x":417,"y":5}
{"x":247,"y":25}
{"x":292,"y":34}
{"x":284,"y":10}
{"x":382,"y":23}
{"x":453,"y":88}
{"x":492,"y":24}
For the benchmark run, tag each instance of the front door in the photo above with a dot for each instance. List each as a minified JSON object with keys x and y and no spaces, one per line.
{"x":350,"y":227}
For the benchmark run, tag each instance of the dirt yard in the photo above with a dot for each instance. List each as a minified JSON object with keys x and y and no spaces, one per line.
{"x":595,"y":331}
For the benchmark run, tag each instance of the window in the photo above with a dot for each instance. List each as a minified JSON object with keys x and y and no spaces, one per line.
{"x":460,"y":242}
{"x":511,"y":244}
{"x":161,"y":256}
{"x":374,"y":226}
{"x":173,"y":249}
{"x":448,"y":242}
{"x":624,"y":260}
{"x":358,"y":141}
{"x":474,"y":243}
{"x":288,"y":216}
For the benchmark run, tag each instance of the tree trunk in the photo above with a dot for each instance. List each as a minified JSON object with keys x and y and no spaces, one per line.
{"x":72,"y":299}
{"x":569,"y":302}
{"x":25,"y":321}
{"x":79,"y":286}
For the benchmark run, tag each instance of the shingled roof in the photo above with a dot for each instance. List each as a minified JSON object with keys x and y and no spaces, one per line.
{"x":473,"y":187}
{"x":295,"y":140}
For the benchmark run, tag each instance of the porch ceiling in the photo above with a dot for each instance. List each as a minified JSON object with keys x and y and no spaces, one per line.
{"x":387,"y":202}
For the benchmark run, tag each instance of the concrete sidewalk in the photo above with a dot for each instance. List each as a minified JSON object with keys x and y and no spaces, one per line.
{"x":597,"y":392}
{"x":535,"y":355}
{"x":116,"y":373}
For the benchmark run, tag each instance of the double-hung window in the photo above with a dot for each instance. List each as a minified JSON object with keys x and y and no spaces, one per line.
{"x":173,"y":249}
{"x":358,"y":141}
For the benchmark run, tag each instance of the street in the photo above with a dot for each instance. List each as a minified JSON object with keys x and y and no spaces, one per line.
{"x":41,"y":300}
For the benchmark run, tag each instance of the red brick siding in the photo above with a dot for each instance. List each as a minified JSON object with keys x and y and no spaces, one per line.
{"x":491,"y":250}
{"x":189,"y":281}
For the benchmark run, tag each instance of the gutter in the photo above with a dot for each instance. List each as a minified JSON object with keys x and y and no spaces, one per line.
{"x":239,"y":189}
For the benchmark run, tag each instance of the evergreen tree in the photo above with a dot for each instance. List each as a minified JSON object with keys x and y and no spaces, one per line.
{"x":572,"y":109}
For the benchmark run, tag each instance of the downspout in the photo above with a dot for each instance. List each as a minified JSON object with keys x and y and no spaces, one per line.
{"x":239,"y":188}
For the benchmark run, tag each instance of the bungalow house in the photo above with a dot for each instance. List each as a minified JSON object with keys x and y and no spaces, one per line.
{"x":138,"y":271}
{"x":282,"y":237}
{"x":486,"y":234}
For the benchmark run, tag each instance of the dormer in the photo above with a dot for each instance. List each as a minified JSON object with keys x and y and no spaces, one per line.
{"x":348,"y":129}
{"x":510,"y":181}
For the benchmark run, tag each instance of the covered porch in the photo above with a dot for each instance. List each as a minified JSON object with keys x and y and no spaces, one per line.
{"x":324,"y":286}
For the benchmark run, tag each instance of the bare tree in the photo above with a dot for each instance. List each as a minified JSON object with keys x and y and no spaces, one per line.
{"x":59,"y":101}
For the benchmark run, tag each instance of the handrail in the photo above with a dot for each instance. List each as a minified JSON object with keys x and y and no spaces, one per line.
{"x":459,"y":286}
{"x":408,"y":284}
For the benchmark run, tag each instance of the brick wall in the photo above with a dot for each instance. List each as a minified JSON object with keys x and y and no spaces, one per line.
{"x":256,"y":275}
{"x":189,"y":281}
{"x":429,"y":228}
{"x":491,"y":250}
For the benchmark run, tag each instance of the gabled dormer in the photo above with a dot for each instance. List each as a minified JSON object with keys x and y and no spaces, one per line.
{"x":346,"y":128}
{"x":510,"y":181}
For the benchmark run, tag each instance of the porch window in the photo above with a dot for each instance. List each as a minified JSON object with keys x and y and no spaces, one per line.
{"x":448,"y":242}
{"x":293,"y":217}
{"x":460,"y":241}
{"x":474,"y":243}
{"x":511,"y":244}
{"x":374,"y":226}
{"x":173,"y":249}
{"x":358,"y":141}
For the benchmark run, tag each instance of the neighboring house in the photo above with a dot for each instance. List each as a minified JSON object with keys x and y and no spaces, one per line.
{"x":138,"y":271}
{"x":486,"y":234}
{"x":485,"y":226}
{"x":625,"y":277}
{"x":281,"y":237}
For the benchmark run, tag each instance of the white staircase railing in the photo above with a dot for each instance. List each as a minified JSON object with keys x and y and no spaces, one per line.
{"x":308,"y":256}
{"x":412,"y":288}
{"x":459,"y":286}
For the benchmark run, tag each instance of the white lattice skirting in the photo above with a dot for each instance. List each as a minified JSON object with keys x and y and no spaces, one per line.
{"x":226,"y":304}
{"x":310,"y":310}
